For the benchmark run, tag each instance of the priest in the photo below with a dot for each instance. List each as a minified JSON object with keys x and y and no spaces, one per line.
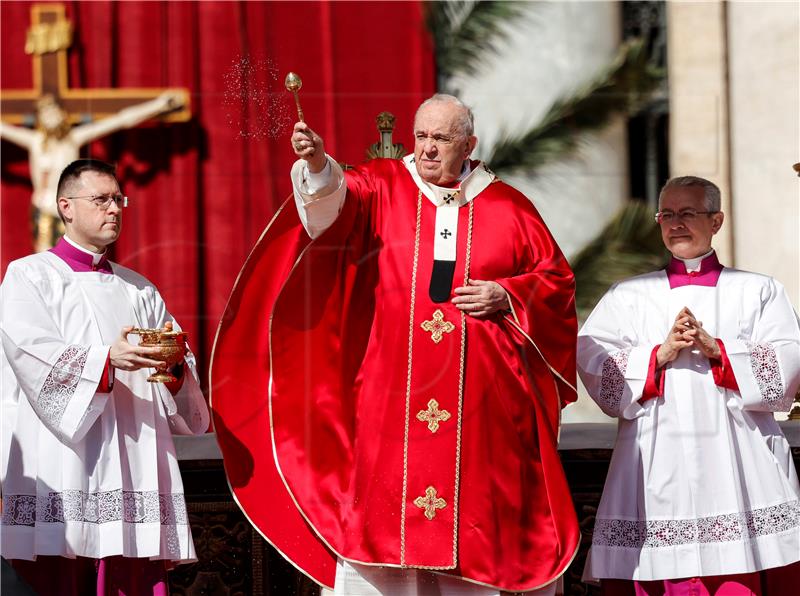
{"x":411,"y":328}
{"x":702,"y":495}
{"x":92,"y":495}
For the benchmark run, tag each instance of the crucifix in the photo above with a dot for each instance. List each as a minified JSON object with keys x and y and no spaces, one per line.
{"x":53,"y":121}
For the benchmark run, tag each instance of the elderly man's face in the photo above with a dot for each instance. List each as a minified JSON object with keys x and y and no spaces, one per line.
{"x":688,"y":232}
{"x":440,"y":146}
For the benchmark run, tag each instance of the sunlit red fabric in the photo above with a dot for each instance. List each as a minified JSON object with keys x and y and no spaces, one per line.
{"x":329,"y":320}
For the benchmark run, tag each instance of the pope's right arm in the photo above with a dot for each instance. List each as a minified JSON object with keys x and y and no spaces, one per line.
{"x":318,"y":197}
{"x":317,"y":180}
{"x":59,"y":377}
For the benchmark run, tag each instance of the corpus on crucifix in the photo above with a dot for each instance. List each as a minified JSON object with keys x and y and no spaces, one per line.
{"x":54,"y":144}
{"x":64,"y":119}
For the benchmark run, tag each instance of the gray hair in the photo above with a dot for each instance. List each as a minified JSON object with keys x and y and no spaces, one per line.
{"x":711,"y":192}
{"x":466,"y":120}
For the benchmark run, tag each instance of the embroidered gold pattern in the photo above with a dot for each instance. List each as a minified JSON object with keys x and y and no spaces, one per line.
{"x":437,"y":326}
{"x":433,"y":415}
{"x":408,"y":382}
{"x":430,"y":502}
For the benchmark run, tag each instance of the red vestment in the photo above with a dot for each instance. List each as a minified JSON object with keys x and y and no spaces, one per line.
{"x":327,"y":366}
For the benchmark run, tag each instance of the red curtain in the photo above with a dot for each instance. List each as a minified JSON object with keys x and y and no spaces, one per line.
{"x":202,"y":192}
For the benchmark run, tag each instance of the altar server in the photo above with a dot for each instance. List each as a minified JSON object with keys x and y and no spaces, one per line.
{"x":92,"y":495}
{"x":702,"y":493}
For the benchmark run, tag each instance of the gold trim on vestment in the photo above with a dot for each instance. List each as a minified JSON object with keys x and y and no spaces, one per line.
{"x":408,"y":380}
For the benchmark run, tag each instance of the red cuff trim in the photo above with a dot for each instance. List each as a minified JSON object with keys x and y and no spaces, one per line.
{"x":107,"y":380}
{"x":654,"y":382}
{"x":722,"y":370}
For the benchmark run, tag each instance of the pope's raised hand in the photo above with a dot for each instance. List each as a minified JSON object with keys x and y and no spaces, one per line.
{"x":308,"y":145}
{"x":126,"y":356}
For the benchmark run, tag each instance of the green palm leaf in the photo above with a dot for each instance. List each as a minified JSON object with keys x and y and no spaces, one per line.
{"x":466,"y":33}
{"x":629,"y":245}
{"x":622,"y":88}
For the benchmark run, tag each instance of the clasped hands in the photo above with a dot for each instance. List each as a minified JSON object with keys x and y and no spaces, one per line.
{"x":686,"y":332}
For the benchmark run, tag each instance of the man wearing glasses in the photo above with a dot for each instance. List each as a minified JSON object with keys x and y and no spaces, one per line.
{"x":92,"y":496}
{"x":702,"y":495}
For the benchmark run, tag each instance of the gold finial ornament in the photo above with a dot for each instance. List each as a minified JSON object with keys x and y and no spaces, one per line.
{"x":385,"y":147}
{"x":293,"y":84}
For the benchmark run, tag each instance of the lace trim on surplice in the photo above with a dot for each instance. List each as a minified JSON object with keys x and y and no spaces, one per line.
{"x":660,"y":533}
{"x":767,"y":373}
{"x":60,"y":384}
{"x":612,"y":382}
{"x":133,"y":507}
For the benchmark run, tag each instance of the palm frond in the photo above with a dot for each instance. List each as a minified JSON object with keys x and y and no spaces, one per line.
{"x":621,"y":89}
{"x":629,"y":245}
{"x":466,"y":33}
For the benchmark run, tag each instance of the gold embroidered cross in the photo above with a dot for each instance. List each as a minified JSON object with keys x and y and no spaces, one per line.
{"x":433,"y":415}
{"x":430,"y":502}
{"x":437,"y":326}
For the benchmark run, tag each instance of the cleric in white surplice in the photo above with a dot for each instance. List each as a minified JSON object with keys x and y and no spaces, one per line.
{"x":693,"y":361}
{"x":89,"y":474}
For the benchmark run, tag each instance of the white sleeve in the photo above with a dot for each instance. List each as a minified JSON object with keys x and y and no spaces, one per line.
{"x":318,"y":197}
{"x":187,"y":410}
{"x":767,"y":366}
{"x":611,"y":363}
{"x":58,"y":377}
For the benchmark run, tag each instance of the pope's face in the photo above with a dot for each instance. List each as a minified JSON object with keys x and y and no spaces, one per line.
{"x":686,"y":235}
{"x":88,"y":224}
{"x":440,"y":145}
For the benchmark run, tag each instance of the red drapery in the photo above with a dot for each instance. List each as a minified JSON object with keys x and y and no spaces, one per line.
{"x":200,"y":192}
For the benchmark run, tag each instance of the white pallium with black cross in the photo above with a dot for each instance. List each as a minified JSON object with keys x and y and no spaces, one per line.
{"x":448,"y":201}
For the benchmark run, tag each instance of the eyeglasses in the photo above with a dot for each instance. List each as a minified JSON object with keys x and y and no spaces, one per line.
{"x":685,"y":215}
{"x":104,"y":201}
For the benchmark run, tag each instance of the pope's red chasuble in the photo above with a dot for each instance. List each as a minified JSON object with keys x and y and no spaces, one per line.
{"x":359,"y":418}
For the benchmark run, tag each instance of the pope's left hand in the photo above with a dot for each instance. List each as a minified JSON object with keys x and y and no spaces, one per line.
{"x":481,"y":298}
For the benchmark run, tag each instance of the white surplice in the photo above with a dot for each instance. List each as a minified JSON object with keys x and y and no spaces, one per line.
{"x":86,"y":473}
{"x":701,"y":480}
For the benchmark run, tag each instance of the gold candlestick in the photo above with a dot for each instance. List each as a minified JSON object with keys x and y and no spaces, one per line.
{"x":293,"y":84}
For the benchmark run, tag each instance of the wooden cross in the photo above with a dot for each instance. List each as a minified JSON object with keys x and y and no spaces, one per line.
{"x":47,"y":41}
{"x":430,"y":503}
{"x":433,"y":415}
{"x":437,"y":326}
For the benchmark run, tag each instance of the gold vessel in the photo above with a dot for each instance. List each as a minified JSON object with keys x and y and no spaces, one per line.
{"x":172,"y":349}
